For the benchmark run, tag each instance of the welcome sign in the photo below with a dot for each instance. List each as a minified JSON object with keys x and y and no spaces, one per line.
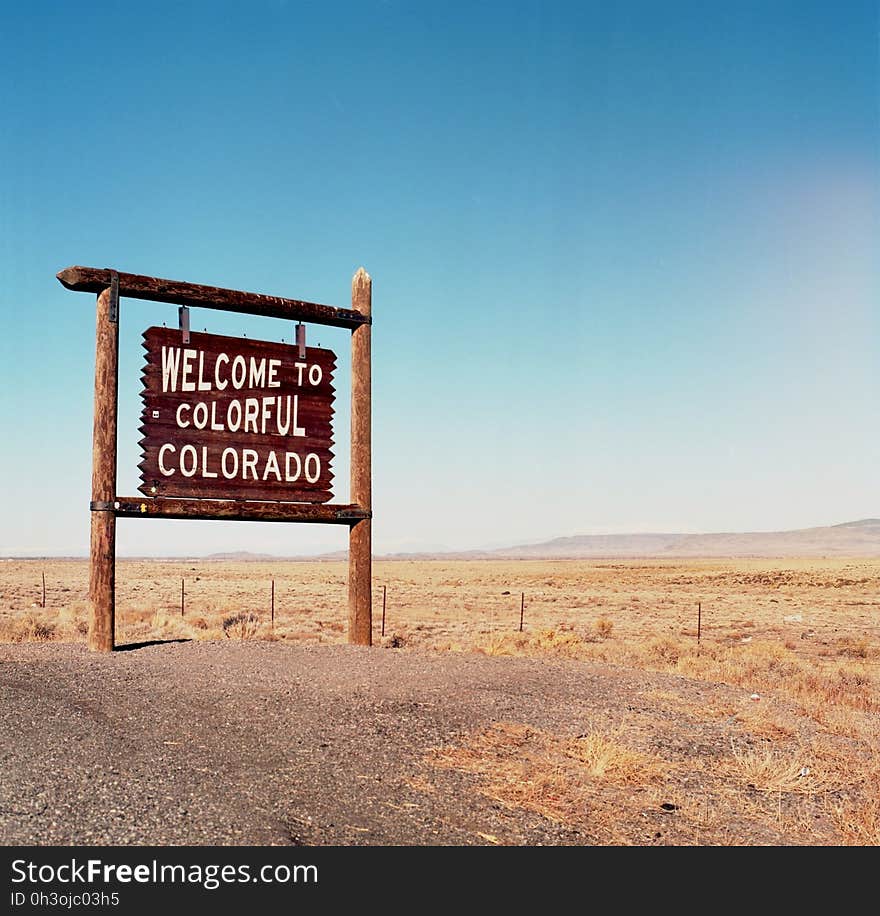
{"x":233,"y":418}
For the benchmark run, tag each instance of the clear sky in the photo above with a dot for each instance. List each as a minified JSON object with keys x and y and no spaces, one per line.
{"x":624,"y":255}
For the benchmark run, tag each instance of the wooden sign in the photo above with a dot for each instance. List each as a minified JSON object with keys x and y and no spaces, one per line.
{"x":233,"y":428}
{"x":233,"y":418}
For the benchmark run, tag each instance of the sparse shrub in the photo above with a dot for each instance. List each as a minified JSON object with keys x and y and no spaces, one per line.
{"x":241,"y":626}
{"x":664,"y":649}
{"x":199,"y":623}
{"x":854,"y":648}
{"x":858,"y":822}
{"x":40,"y":631}
{"x":768,"y":659}
{"x":603,"y":627}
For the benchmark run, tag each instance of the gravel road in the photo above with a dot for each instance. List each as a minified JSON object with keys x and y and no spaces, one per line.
{"x":261,"y":743}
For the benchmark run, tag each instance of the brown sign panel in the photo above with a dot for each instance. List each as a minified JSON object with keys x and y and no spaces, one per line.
{"x":233,"y":418}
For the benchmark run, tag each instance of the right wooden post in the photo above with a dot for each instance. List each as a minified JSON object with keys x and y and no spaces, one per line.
{"x":360,"y":547}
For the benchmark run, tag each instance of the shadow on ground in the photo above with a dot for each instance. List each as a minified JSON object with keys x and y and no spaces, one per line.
{"x":131,"y":646}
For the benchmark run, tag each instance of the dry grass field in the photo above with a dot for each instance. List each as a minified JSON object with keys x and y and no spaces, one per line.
{"x":797,"y":640}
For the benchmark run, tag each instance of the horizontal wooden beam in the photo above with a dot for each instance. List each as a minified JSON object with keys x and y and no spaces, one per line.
{"x":135,"y":286}
{"x":234,"y":510}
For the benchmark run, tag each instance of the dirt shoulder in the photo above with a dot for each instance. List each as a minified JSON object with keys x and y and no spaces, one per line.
{"x":260,"y":743}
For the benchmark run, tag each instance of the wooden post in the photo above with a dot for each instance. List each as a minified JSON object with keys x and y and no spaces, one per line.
{"x":102,"y":567}
{"x":699,"y":618}
{"x":273,"y":604}
{"x":522,"y":609}
{"x":43,"y":603}
{"x":360,"y":598}
{"x":182,"y":597}
{"x":384,"y":593}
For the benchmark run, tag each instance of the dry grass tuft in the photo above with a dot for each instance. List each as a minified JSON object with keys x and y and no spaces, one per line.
{"x":243,"y":625}
{"x":29,"y":628}
{"x":766,"y":722}
{"x":562,"y":643}
{"x":559,"y":778}
{"x":856,"y":647}
{"x":859,"y":824}
{"x":604,"y":757}
{"x":767,"y":768}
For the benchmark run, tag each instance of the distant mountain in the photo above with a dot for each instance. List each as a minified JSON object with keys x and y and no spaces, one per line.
{"x":860,"y":538}
{"x":595,"y":545}
{"x":240,"y":556}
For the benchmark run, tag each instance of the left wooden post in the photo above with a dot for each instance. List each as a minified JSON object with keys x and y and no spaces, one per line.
{"x":102,"y":570}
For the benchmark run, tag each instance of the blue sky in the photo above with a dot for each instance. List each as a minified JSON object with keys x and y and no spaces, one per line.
{"x":624,"y":255}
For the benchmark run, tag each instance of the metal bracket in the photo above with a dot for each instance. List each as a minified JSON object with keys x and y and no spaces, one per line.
{"x":100,"y":506}
{"x":183,"y":320}
{"x":113,"y":304}
{"x":301,"y":339}
{"x":356,"y":515}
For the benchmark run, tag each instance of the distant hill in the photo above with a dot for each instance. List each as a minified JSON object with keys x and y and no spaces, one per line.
{"x":856,"y":539}
{"x":245,"y":556}
{"x":239,"y":556}
{"x":859,"y":538}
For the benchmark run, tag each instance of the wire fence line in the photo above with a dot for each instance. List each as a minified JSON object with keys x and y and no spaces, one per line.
{"x":510,"y":609}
